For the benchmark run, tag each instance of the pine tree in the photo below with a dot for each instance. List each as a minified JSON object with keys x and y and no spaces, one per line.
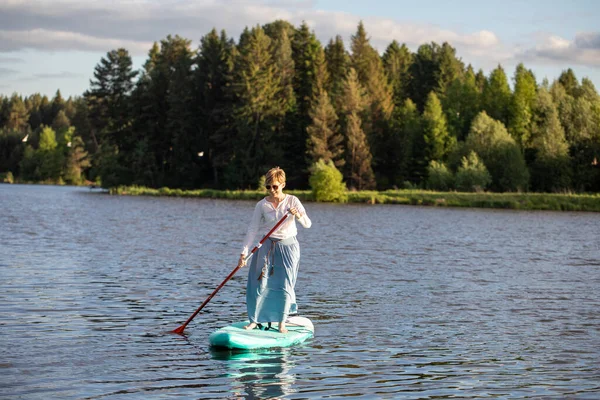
{"x":109,"y":112}
{"x":358,"y":155}
{"x":284,"y":69}
{"x":77,"y":161}
{"x":569,"y":81}
{"x":305,"y":50}
{"x":371,"y":74}
{"x":435,"y":130}
{"x":148,"y":105}
{"x":256,"y":87}
{"x":61,"y":122}
{"x":451,"y":68}
{"x":181,"y":121}
{"x":461,"y":103}
{"x":18,"y":117}
{"x":377,"y":118}
{"x":325,"y":140}
{"x":521,"y":105}
{"x":215,"y":102}
{"x":497,"y":96}
{"x":338,"y":64}
{"x":407,"y":146}
{"x":424,"y":72}
{"x":397,"y":60}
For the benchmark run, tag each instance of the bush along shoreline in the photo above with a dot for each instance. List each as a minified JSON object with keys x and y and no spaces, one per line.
{"x":515,"y":201}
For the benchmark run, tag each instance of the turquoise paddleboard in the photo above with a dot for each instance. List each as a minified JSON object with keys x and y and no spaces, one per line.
{"x":236,"y":337}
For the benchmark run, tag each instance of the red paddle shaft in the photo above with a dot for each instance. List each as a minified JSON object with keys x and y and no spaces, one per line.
{"x":182,"y":327}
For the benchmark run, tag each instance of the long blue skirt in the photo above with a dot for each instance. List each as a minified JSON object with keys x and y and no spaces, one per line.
{"x":270,"y":295}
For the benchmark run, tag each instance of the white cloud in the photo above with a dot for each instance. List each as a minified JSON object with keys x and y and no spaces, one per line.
{"x":58,"y":75}
{"x":10,"y":60}
{"x":552,"y":49}
{"x":8,"y":71}
{"x":42,"y":39}
{"x":99,"y":25}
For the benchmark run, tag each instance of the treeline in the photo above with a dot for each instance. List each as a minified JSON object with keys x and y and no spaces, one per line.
{"x":219,"y":116}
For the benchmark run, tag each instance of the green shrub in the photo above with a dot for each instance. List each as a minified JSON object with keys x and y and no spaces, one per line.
{"x":7,"y":177}
{"x":327,"y":183}
{"x":439,"y":177}
{"x":261,"y":183}
{"x":472,"y":175}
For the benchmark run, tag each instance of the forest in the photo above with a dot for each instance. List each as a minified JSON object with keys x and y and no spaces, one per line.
{"x":219,"y":116}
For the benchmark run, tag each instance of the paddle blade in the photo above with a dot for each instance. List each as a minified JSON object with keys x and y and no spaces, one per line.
{"x":179,"y":330}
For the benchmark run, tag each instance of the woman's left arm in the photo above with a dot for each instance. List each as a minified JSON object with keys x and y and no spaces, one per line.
{"x":300,"y":214}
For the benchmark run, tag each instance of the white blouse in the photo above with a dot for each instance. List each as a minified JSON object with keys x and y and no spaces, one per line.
{"x":266,"y":215}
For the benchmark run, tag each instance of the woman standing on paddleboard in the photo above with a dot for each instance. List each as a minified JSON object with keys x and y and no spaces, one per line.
{"x":270,"y":294}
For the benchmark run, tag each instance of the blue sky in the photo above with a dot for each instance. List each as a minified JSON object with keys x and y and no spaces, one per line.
{"x":47,"y":45}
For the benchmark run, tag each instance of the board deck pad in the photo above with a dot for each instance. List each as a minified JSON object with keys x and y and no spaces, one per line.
{"x":236,"y":337}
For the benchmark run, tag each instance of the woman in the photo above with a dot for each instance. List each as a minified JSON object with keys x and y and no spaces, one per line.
{"x":270,"y":295}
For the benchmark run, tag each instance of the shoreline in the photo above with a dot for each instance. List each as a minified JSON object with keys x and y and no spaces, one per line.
{"x":513,"y":201}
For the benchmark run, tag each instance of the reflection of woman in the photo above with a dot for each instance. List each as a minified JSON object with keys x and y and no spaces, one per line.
{"x":259,"y":375}
{"x":270,"y":295}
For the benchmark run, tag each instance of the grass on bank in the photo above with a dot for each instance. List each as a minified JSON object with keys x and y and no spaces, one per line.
{"x":517,"y":201}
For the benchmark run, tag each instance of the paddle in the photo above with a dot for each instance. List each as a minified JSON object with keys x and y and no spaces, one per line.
{"x":180,"y":330}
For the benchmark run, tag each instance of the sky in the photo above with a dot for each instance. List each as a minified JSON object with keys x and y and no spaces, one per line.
{"x":50,"y":45}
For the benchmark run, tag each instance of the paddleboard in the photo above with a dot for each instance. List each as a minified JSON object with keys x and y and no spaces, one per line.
{"x":236,"y":337}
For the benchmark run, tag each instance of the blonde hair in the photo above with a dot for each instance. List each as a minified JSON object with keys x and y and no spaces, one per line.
{"x":275,"y":175}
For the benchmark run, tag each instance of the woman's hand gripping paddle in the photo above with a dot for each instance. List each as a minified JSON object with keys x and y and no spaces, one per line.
{"x":180,"y":330}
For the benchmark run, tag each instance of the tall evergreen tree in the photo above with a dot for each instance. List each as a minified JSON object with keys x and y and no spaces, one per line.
{"x":371,"y":74}
{"x":497,"y":96}
{"x":148,"y":103}
{"x":397,"y":60}
{"x":257,"y":88}
{"x":480,"y":81}
{"x":521,"y":105}
{"x":461,"y":103}
{"x":406,"y":146}
{"x":34,"y":106}
{"x":451,"y":68}
{"x":338,"y":64}
{"x":424,"y":72}
{"x":77,"y":161}
{"x":359,"y":171}
{"x":57,"y":105}
{"x":325,"y":142}
{"x":305,"y":50}
{"x":435,"y":130}
{"x":18,"y":117}
{"x":375,"y":122}
{"x":109,"y":112}
{"x":181,"y":123}
{"x":215,"y":101}
{"x":108,"y":95}
{"x":569,"y":81}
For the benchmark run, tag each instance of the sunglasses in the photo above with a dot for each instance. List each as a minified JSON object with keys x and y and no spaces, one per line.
{"x":275,"y":187}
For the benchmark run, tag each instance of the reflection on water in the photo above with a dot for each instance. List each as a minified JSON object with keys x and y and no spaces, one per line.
{"x":258,"y":374}
{"x":407,"y":302}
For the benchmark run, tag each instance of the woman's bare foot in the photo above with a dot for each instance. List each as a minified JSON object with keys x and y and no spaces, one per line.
{"x":250,"y":326}
{"x":282,"y":327}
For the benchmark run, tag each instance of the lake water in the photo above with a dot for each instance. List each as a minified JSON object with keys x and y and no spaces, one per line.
{"x":408,"y":302}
